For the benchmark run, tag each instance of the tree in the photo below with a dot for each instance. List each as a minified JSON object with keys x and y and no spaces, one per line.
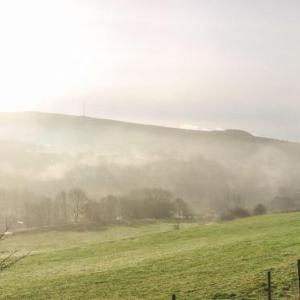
{"x":181,"y":208}
{"x":61,"y":204}
{"x":11,"y":259}
{"x":160,"y":203}
{"x":110,"y":207}
{"x":78,"y":199}
{"x":148,"y":203}
{"x":38,"y":213}
{"x":283,"y":204}
{"x":259,"y":209}
{"x":92,"y":211}
{"x":238,"y":212}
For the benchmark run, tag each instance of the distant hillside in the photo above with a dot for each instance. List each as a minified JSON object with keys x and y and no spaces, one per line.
{"x":49,"y":152}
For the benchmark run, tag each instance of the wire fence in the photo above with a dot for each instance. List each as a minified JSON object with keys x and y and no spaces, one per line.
{"x":269,"y":289}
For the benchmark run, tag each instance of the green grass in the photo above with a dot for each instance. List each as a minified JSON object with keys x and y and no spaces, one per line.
{"x":218,"y":261}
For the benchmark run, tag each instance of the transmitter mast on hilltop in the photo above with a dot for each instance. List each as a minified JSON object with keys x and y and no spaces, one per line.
{"x":83,"y":108}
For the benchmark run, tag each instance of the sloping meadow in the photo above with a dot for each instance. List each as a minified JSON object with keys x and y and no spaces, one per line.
{"x":216,"y":261}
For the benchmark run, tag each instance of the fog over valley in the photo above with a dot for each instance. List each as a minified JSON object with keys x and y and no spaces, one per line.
{"x":45,"y":154}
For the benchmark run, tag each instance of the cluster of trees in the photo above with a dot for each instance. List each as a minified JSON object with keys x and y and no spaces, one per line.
{"x":242,"y":212}
{"x":75,"y":206}
{"x":19,"y":208}
{"x":287,"y":199}
{"x":236,"y":207}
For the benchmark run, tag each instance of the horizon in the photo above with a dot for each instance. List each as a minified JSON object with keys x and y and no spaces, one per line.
{"x":143,"y":124}
{"x":197,"y":64}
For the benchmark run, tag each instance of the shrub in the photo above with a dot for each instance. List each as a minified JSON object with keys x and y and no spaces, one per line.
{"x":259,"y":209}
{"x":238,"y":212}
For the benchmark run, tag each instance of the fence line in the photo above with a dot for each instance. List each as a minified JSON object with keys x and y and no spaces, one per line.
{"x":269,"y":284}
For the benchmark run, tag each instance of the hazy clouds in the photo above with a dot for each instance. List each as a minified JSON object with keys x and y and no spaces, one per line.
{"x":209,"y":64}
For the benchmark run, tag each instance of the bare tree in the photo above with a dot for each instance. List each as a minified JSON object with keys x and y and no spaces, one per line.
{"x":78,"y":198}
{"x":12,"y":258}
{"x":62,"y":200}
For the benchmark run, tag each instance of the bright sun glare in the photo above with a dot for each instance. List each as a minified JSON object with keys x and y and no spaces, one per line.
{"x":44,"y":51}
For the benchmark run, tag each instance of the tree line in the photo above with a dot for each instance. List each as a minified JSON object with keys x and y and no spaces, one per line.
{"x":24,"y":209}
{"x":74,"y":206}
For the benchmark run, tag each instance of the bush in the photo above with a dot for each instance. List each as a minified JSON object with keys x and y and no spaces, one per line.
{"x":240,"y":212}
{"x":148,"y":204}
{"x":176,"y":226}
{"x":259,"y":209}
{"x":235,"y":213}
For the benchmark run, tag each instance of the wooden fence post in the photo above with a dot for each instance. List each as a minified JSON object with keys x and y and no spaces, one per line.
{"x":298,"y":267}
{"x":269,"y":286}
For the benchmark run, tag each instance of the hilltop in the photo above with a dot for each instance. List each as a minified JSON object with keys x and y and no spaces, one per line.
{"x":85,"y":132}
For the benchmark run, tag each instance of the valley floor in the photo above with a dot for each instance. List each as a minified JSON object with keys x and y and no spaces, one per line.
{"x":217,"y":261}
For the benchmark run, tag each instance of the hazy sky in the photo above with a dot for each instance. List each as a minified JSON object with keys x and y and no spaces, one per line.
{"x":193,"y":63}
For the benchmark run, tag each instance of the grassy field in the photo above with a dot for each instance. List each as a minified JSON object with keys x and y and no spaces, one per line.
{"x":217,"y":261}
